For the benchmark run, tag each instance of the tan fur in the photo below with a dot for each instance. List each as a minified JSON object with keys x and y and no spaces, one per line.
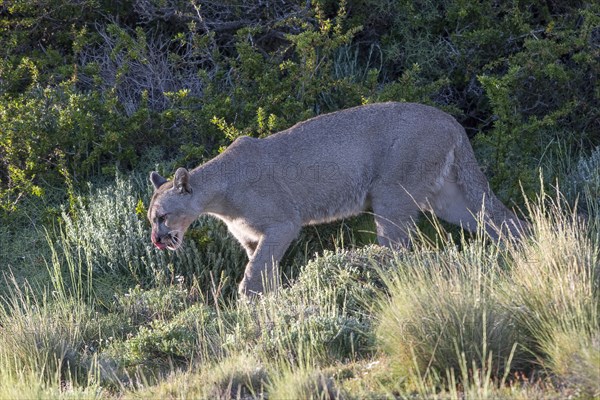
{"x":395,"y":158}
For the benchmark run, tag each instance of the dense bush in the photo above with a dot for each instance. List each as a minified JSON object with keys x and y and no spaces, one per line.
{"x":87,"y":88}
{"x":541,"y":99}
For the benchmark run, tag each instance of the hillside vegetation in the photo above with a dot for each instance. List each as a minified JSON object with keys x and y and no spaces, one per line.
{"x":94,"y":94}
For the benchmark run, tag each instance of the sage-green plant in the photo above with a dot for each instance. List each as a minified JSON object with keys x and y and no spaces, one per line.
{"x":106,"y":233}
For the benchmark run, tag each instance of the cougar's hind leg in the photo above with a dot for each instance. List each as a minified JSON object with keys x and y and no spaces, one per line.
{"x":451,"y":205}
{"x":395,"y":215}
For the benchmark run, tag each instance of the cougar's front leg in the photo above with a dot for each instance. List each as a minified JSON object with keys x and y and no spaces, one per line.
{"x":261,"y":271}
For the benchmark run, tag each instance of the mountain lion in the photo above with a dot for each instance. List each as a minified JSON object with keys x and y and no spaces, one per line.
{"x":393,"y":158}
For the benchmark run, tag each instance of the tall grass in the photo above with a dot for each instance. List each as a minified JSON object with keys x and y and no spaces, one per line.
{"x":473,"y":317}
{"x":553,"y":294}
{"x":44,"y":344}
{"x":441,"y":313}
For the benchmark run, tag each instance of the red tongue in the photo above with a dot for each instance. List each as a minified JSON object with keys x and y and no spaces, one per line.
{"x":155,"y":241}
{"x":160,"y":246}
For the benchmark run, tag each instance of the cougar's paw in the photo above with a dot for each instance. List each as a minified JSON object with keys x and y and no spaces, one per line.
{"x":248,"y":291}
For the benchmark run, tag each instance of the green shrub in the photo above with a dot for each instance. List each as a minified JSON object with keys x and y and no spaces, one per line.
{"x":161,"y":303}
{"x":322,"y":316}
{"x":173,"y":342}
{"x":107,"y":233}
{"x":355,"y":275}
{"x":541,"y":101}
{"x":58,"y":134}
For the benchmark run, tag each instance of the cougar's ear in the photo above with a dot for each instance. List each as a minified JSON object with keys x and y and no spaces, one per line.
{"x":156,"y":179}
{"x":181,"y":182}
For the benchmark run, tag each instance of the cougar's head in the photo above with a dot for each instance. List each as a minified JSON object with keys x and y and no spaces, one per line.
{"x":171,"y":210}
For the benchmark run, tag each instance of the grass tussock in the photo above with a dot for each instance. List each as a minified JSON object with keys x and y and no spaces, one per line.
{"x":441,"y":316}
{"x":236,"y":377}
{"x":553,"y":295}
{"x":304,"y":383}
{"x":474,"y":316}
{"x":47,"y":345}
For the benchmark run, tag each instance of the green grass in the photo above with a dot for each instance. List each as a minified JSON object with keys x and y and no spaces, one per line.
{"x":478,"y":315}
{"x":447,"y":320}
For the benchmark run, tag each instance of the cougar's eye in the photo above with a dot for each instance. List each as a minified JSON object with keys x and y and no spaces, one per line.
{"x":161,"y":218}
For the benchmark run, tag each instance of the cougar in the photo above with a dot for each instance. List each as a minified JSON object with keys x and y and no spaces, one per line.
{"x":395,"y":159}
